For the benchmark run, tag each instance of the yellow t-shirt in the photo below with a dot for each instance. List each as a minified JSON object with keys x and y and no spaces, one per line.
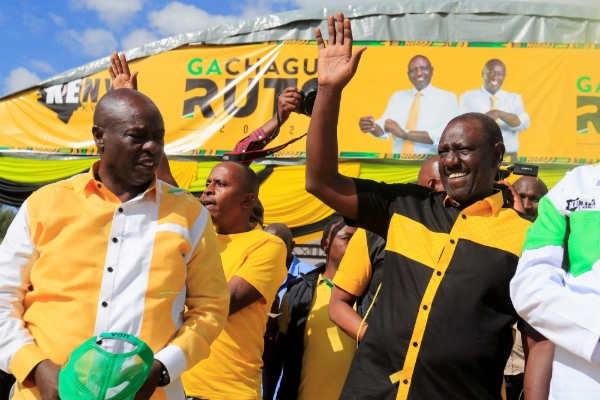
{"x":233,"y":369}
{"x":328,"y":351}
{"x":355,"y":270}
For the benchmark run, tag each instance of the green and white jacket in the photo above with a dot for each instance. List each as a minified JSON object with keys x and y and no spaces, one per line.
{"x":560,"y":297}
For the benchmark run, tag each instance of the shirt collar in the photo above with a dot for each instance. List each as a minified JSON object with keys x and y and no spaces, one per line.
{"x":499,"y":93}
{"x":426,"y":91}
{"x":488,"y":206}
{"x":89,"y":186}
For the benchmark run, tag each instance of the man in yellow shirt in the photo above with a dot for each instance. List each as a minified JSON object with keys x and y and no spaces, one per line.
{"x":112,"y":250}
{"x":254,"y":264}
{"x":317,"y":354}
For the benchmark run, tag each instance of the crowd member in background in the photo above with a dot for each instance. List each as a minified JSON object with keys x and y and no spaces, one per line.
{"x":359,"y":276}
{"x":272,"y":357}
{"x":415,"y":118}
{"x":531,"y":190}
{"x":505,"y":108}
{"x":557,"y":287}
{"x":138,"y":252}
{"x":317,"y":354}
{"x":254,"y":264}
{"x":442,"y":329}
{"x":539,"y":367}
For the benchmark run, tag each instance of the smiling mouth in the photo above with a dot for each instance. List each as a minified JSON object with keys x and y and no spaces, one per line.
{"x":457,"y":175}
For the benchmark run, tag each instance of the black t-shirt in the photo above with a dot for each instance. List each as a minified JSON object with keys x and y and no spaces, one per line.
{"x":442,"y":329}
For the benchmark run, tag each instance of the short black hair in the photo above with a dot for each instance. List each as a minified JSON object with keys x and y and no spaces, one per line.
{"x":249,"y":178}
{"x":489,"y":128}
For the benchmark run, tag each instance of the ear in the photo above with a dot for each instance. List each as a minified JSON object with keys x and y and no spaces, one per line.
{"x":499,"y":151}
{"x":431,"y":184}
{"x":248,"y":201}
{"x":98,"y":134}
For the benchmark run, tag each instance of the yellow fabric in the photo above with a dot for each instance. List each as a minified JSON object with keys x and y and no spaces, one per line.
{"x":390,"y":173}
{"x":64,"y":290}
{"x":355,"y":270}
{"x":286,"y":201}
{"x":328,"y":351}
{"x":23,"y":170}
{"x":309,"y":237}
{"x":233,"y":369}
{"x":478,"y":233}
{"x":184,"y":172}
{"x":408,"y":146}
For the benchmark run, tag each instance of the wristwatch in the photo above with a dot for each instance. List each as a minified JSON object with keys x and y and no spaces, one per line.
{"x":165,"y":378}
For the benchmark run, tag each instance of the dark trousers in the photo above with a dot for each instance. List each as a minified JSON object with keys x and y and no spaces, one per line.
{"x":514,"y":387}
{"x":6,"y":382}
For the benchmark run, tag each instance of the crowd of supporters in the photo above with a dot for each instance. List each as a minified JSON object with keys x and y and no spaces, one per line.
{"x":424,"y":293}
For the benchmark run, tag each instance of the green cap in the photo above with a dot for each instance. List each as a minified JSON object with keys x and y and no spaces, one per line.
{"x":93,"y":373}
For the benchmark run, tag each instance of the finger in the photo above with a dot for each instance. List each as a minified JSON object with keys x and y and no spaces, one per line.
{"x":124,"y":64}
{"x":347,"y":28}
{"x":111,"y":73}
{"x":134,"y":80}
{"x":319,"y":38}
{"x":356,"y":58}
{"x":339,"y":39}
{"x":118,"y":65}
{"x":331,"y":30}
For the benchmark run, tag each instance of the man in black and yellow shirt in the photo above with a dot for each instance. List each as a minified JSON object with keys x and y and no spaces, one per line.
{"x":442,"y":329}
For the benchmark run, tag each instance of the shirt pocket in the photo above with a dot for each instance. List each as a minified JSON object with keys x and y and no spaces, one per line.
{"x":584,"y":241}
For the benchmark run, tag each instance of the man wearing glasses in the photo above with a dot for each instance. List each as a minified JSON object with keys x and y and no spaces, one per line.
{"x":415,"y":118}
{"x":506,"y":108}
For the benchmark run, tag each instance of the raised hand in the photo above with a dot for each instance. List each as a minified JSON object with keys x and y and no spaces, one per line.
{"x":119,"y":73}
{"x":337,"y":65}
{"x":514,"y":198}
{"x":367,"y":124}
{"x":289,"y":101}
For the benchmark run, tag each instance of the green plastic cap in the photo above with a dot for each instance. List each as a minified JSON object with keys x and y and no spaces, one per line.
{"x":93,"y":373}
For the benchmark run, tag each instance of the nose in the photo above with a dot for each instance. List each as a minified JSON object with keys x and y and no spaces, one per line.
{"x":151,"y":146}
{"x":419,"y":72}
{"x":208,"y":191}
{"x":527,"y":203}
{"x":451,"y":160}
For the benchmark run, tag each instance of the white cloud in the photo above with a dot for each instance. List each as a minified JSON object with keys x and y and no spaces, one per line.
{"x":92,"y":42}
{"x":178,"y":18}
{"x":57,"y":19}
{"x":111,"y":11}
{"x":137,"y":38}
{"x":20,"y":78}
{"x":42,"y":66}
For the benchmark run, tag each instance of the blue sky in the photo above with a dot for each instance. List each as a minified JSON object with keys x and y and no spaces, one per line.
{"x":42,"y":38}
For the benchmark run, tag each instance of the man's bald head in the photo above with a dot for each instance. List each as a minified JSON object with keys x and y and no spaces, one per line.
{"x":429,"y":174}
{"x":118,"y":105}
{"x":244,"y":175}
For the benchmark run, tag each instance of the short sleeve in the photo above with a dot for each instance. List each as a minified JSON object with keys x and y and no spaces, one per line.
{"x":265,"y":268}
{"x":354,"y":273}
{"x":284,"y":317}
{"x":377,"y":203}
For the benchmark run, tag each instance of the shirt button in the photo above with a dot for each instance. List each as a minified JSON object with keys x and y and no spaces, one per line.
{"x":415,"y":344}
{"x":99,"y":185}
{"x":120,"y":210}
{"x":405,"y":381}
{"x":464,"y":216}
{"x":439,"y":273}
{"x":452,"y":241}
{"x":115,"y":240}
{"x":425,"y":307}
{"x":104,"y":304}
{"x":110,"y":269}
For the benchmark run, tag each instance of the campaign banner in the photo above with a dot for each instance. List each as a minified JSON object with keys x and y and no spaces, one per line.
{"x":545,"y":98}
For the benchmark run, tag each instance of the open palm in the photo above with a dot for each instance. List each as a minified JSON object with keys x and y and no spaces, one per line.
{"x":119,"y":72}
{"x":337,"y":65}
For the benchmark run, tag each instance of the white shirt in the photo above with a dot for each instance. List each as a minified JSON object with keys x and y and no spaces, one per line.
{"x":480,"y":100}
{"x":437,"y":108}
{"x":565,"y":306}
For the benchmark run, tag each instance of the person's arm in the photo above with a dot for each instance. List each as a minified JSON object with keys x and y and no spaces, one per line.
{"x":336,"y":67}
{"x":539,"y":354}
{"x":119,"y":72}
{"x":242,"y":294}
{"x":368,"y":125}
{"x":207,"y":301}
{"x":342,"y":313}
{"x":569,"y":319}
{"x":289,"y":101}
{"x":416,"y":136}
{"x":510,"y":119}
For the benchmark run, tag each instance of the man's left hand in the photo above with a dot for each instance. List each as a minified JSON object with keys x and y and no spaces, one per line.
{"x":119,"y":73}
{"x":289,"y":101}
{"x":151,"y":383}
{"x":393,"y":127}
{"x":494,"y":114}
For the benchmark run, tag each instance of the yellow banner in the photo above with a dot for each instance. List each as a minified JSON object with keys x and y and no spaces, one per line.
{"x":211,"y":97}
